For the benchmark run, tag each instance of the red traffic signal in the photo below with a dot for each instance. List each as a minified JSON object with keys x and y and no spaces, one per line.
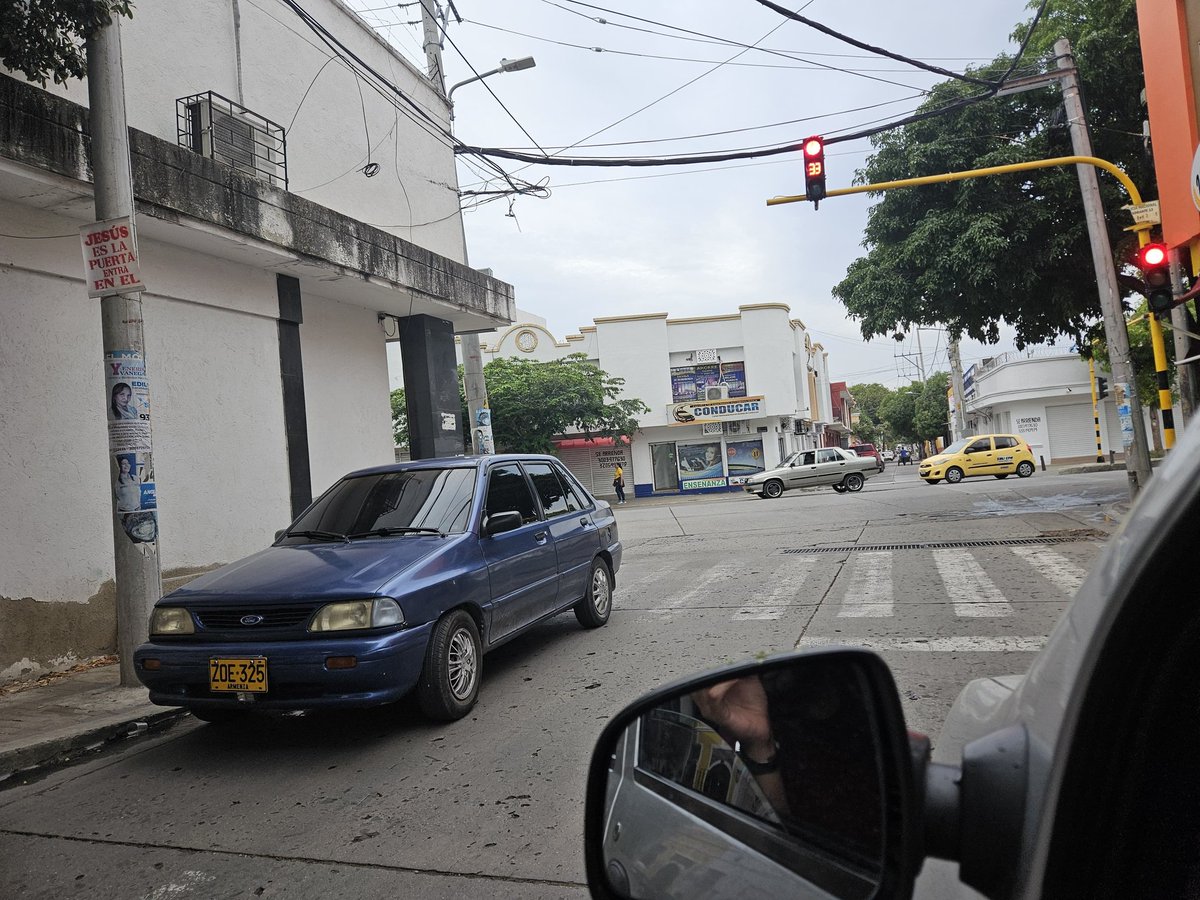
{"x":1155,"y":264}
{"x":813,"y":149}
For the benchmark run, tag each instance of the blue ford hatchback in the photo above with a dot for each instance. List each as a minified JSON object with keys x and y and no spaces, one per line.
{"x":397,"y":578}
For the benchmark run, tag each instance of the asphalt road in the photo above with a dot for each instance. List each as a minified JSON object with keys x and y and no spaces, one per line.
{"x":382,"y":802}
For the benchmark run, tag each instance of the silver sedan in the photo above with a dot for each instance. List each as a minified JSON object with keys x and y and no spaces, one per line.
{"x":842,"y":469}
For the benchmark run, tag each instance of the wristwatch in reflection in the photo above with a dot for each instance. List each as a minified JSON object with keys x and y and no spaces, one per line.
{"x":760,"y":767}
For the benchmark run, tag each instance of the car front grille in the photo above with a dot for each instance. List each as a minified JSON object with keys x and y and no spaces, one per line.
{"x":240,"y":618}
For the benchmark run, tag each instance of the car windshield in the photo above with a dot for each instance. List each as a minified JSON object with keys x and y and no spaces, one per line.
{"x":957,"y":446}
{"x":413,"y":501}
{"x":791,"y":458}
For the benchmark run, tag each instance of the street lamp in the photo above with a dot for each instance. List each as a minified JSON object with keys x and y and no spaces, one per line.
{"x":506,"y":65}
{"x":474,"y":387}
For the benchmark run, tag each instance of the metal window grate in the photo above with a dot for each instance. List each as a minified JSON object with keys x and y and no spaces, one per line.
{"x":940,"y":545}
{"x":216,"y":127}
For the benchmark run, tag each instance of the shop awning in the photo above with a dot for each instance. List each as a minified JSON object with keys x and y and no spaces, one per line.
{"x":582,"y":443}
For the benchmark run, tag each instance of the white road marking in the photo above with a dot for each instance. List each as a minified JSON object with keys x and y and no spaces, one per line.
{"x":974,"y":594}
{"x":772,"y":601}
{"x":704,"y":583}
{"x":1054,"y":567}
{"x":869,"y":595}
{"x":959,"y":644}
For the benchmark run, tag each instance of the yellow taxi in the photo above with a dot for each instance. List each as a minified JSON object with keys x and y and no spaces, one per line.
{"x":999,"y":455}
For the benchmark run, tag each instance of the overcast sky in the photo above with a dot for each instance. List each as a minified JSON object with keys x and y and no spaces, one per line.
{"x":695,"y":240}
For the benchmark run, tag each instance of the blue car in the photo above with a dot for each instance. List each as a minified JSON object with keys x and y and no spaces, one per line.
{"x":397,"y":578}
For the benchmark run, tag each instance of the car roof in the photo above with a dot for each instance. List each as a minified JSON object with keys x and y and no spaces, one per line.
{"x":452,"y":462}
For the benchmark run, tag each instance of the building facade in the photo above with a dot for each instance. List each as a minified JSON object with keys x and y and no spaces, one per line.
{"x":1045,"y":397}
{"x":729,"y":395}
{"x":279,"y":260}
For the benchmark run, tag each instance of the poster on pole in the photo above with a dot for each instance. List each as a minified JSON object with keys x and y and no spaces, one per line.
{"x":110,"y":260}
{"x":1122,"y":392}
{"x":128,"y":396}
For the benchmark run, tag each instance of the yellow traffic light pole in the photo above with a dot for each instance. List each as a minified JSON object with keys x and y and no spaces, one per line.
{"x":1135,"y":197}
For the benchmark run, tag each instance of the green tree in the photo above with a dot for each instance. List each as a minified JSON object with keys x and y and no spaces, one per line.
{"x":931,"y":409}
{"x":399,"y":418}
{"x":868,"y":398}
{"x":970,"y":254}
{"x":44,"y":38}
{"x":532,"y":402}
{"x":898,"y":410}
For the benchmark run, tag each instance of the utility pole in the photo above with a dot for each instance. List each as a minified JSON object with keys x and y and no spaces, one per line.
{"x":1133,"y":429}
{"x":956,"y":375}
{"x":1186,"y":373}
{"x":127,"y":384}
{"x":474,"y":386}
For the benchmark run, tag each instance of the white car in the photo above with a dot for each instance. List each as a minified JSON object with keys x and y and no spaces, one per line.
{"x":1078,"y":779}
{"x":843,"y":470}
{"x":889,"y":455}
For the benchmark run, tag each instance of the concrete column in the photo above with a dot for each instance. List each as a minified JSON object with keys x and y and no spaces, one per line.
{"x":431,"y":387}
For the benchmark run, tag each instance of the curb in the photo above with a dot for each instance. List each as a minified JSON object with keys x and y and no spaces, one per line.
{"x":24,"y":763}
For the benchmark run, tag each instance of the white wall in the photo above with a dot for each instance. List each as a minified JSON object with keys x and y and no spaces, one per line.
{"x":175,"y":49}
{"x":345,"y":390}
{"x":769,"y":343}
{"x":636,"y":349}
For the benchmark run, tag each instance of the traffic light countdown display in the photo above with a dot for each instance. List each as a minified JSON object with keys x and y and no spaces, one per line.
{"x":813,"y":150}
{"x":1155,"y":264}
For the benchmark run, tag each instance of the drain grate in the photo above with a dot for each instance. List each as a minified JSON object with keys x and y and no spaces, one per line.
{"x":939,"y":545}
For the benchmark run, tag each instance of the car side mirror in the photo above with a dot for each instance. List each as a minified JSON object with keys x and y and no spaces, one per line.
{"x":500,"y":522}
{"x":789,"y":777}
{"x":280,"y":533}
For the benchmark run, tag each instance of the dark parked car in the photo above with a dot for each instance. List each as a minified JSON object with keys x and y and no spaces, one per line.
{"x":869,"y":450}
{"x":397,"y":578}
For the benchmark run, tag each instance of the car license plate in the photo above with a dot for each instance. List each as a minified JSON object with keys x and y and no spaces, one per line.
{"x":238,"y":674}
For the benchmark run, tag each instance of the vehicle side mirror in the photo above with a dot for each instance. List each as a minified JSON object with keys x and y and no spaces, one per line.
{"x":280,"y":533}
{"x":500,"y":522}
{"x":789,"y":777}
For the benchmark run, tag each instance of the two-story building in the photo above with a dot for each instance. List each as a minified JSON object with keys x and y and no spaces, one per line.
{"x":296,"y":209}
{"x":729,"y":395}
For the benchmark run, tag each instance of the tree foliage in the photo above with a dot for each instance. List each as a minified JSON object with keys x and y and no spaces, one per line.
{"x":914,"y":412}
{"x":400,"y":417}
{"x":531,"y":402}
{"x":43,"y":39}
{"x":867,"y":400}
{"x":1015,"y":248}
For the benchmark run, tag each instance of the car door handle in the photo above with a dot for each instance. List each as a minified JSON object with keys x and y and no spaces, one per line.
{"x":540,"y":537}
{"x":585,"y":521}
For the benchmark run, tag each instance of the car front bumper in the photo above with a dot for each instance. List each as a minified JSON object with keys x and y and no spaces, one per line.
{"x":388,"y":667}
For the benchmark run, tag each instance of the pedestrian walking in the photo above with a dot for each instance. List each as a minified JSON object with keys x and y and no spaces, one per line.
{"x":619,"y":483}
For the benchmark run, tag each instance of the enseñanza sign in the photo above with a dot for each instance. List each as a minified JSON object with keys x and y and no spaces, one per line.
{"x":110,"y":263}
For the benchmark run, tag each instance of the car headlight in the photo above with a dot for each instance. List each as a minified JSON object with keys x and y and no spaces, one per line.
{"x":356,"y":614}
{"x":171,"y":620}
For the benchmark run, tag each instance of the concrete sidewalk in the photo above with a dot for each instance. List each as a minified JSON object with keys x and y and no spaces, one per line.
{"x":62,"y":716}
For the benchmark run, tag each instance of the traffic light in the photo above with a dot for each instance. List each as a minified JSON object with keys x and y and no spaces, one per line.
{"x":813,"y":149}
{"x":1101,"y":388}
{"x":1156,"y":277}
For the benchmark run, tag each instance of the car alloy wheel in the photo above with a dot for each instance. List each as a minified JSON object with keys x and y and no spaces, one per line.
{"x":954,"y":475}
{"x":596,"y":606}
{"x":853,"y":482}
{"x":449,"y":684}
{"x":1024,"y":468}
{"x":772,"y":489}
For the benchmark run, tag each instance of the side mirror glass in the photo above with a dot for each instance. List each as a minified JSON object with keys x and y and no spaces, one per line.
{"x":500,"y":522}
{"x":791,"y":777}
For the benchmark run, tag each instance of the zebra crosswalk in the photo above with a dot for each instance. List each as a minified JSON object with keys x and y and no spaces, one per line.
{"x":990,"y":583}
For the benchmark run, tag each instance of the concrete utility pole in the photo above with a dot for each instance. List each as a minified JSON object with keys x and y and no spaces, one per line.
{"x":1186,"y":373}
{"x":1133,"y":429}
{"x":956,"y":381}
{"x":127,"y":385}
{"x":474,"y":385}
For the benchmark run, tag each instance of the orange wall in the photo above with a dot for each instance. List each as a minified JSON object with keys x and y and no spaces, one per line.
{"x":1171,"y":98}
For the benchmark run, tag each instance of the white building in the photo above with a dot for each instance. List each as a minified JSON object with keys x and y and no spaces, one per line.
{"x":728,"y":395}
{"x":1045,"y":397}
{"x":276,"y":272}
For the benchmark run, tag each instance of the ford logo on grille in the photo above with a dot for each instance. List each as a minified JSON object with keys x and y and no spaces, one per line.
{"x":250,"y":620}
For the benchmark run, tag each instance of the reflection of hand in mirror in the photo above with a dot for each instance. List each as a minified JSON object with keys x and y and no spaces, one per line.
{"x":738,"y":710}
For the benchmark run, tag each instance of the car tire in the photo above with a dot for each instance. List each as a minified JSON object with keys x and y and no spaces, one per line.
{"x":954,"y":475}
{"x":1024,"y":468}
{"x":449,"y":684}
{"x":853,"y":482}
{"x":840,"y":488}
{"x":773,"y":489}
{"x":220,"y":716}
{"x":1005,"y":475}
{"x":596,"y":606}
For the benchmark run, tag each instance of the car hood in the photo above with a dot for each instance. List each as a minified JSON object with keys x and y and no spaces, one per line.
{"x":937,"y":460}
{"x":286,"y":573}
